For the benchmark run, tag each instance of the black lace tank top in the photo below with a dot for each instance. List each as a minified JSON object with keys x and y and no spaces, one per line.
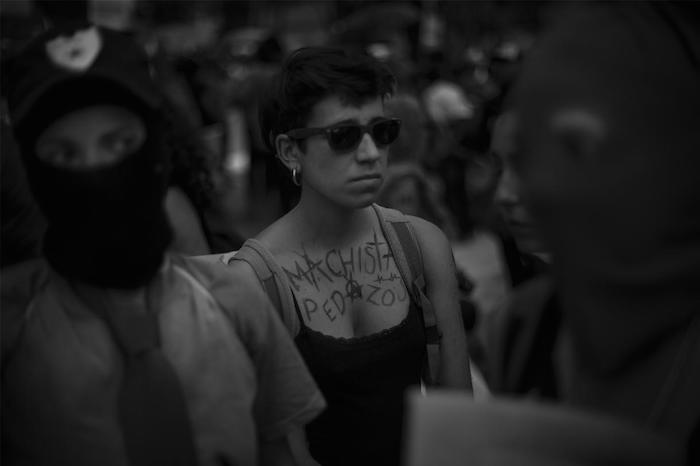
{"x":363,"y":380}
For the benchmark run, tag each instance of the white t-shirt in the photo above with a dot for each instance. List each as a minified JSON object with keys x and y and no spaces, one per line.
{"x":241,"y":374}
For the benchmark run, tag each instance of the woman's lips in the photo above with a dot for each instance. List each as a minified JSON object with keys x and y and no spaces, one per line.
{"x":368,"y":177}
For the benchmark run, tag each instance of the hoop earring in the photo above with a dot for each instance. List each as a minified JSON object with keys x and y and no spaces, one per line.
{"x":296,"y":176}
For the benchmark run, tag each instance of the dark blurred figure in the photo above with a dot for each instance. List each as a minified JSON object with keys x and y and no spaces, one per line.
{"x":609,"y":106}
{"x":412,"y":144}
{"x":521,"y":336}
{"x":23,"y":224}
{"x":525,"y":254}
{"x":409,"y":189}
{"x":455,"y":140}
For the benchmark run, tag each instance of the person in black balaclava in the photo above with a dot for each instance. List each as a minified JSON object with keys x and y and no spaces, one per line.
{"x":93,"y":219}
{"x":609,"y":103}
{"x":115,"y":351}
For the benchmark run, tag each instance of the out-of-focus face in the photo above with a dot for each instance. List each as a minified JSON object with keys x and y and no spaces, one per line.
{"x":91,"y":137}
{"x":509,"y":195}
{"x":608,"y":160}
{"x":349,"y":178}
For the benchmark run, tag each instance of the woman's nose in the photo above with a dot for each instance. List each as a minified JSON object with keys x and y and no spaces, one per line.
{"x":367,"y":150}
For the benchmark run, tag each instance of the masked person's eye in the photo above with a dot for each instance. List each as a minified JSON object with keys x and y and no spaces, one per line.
{"x":124,"y":143}
{"x":58,"y":154}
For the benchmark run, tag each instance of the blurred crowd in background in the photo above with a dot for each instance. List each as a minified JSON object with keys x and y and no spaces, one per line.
{"x":454,"y":62}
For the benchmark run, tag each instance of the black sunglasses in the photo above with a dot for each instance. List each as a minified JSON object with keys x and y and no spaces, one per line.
{"x":347,"y":136}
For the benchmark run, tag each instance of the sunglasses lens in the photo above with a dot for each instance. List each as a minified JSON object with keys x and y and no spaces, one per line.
{"x":343,"y":138}
{"x":386,"y":132}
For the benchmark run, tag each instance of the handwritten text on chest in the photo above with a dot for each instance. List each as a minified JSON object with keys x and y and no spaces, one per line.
{"x":364,"y":272}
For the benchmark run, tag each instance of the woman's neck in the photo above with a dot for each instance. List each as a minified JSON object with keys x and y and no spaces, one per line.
{"x":321,"y":220}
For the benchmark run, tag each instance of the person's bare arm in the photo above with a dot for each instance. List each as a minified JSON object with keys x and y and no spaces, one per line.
{"x":188,"y":233}
{"x":442,"y":291}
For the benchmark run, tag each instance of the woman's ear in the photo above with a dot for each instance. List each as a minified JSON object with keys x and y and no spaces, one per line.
{"x":287,"y":151}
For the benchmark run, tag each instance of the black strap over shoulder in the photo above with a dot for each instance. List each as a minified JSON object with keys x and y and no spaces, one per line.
{"x":271,"y":277}
{"x":404,"y":247}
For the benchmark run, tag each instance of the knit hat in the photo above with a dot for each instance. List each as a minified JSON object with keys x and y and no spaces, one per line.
{"x":86,"y":58}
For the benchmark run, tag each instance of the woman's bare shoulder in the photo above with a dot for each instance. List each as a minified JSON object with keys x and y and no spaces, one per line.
{"x":276,"y":237}
{"x":428,"y":233}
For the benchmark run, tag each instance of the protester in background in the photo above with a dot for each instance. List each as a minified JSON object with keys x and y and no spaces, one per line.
{"x":190,"y":192}
{"x":609,"y":162}
{"x":520,"y":336}
{"x":195,"y":202}
{"x":113,"y":351}
{"x":407,"y":188}
{"x":524,"y":250}
{"x":451,"y":115}
{"x":359,"y":331}
{"x":412,"y":144}
{"x":481,"y":254}
{"x":407,"y":185}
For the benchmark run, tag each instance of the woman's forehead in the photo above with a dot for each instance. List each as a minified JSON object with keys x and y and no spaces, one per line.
{"x":334,"y":109}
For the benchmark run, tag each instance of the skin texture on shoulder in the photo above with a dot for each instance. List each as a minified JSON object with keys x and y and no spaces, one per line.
{"x":238,"y":278}
{"x":442,"y":290}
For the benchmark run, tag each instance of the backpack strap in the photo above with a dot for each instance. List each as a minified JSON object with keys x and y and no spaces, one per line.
{"x":272,"y":278}
{"x":405,"y":249}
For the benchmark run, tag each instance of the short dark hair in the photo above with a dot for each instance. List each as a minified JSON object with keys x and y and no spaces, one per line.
{"x":311,"y":74}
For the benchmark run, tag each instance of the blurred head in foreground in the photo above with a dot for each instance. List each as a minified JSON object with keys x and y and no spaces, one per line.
{"x":609,"y":111}
{"x":85,"y":113}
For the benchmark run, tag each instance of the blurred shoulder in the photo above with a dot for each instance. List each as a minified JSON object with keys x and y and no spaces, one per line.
{"x":427,"y":233}
{"x":236,"y":277}
{"x":22,"y":281}
{"x":20,"y":284}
